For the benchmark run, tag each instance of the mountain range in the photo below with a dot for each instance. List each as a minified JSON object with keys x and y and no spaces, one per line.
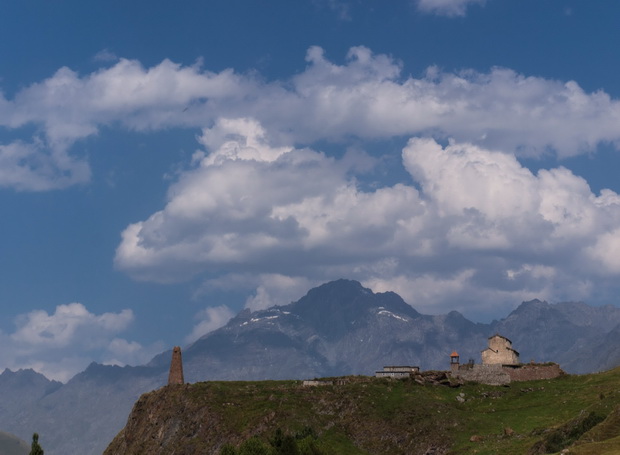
{"x":339,"y":328}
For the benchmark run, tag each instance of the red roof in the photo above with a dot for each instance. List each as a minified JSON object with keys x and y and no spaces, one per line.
{"x":454,"y":354}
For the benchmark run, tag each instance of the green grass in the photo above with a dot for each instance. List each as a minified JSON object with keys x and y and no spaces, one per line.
{"x":533,"y":408}
{"x":368,"y":415}
{"x":507,"y":420}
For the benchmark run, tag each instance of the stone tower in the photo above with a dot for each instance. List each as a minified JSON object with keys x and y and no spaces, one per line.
{"x":454,"y":361}
{"x":176,"y":367}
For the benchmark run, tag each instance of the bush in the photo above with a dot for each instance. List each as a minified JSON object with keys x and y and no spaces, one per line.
{"x":228,"y":449}
{"x":254,"y":446}
{"x":302,"y":443}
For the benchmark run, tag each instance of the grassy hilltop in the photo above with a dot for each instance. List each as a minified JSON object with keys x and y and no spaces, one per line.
{"x":380,"y":416}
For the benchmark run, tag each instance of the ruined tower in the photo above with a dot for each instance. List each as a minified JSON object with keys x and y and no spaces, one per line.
{"x":176,"y":367}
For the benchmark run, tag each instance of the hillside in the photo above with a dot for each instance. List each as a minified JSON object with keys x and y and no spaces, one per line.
{"x":364,"y":415}
{"x":339,"y":328}
{"x":12,"y":445}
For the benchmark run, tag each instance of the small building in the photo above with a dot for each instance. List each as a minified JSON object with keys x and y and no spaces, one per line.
{"x":500,"y":352}
{"x":397,"y":372}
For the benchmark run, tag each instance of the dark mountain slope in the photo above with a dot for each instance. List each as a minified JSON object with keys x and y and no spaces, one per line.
{"x":77,"y":417}
{"x":12,"y":445}
{"x":572,"y":334}
{"x":336,"y":329}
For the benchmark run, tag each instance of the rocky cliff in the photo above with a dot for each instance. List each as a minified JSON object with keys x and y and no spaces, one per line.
{"x":423,"y":415}
{"x":358,"y":415}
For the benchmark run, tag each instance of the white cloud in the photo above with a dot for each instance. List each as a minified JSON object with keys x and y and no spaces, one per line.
{"x":606,"y":252}
{"x":105,"y":55}
{"x":366,"y":97}
{"x":447,"y":7}
{"x":259,"y":201}
{"x":123,"y":352}
{"x":209,"y":319}
{"x":276,"y":289}
{"x":238,"y":139}
{"x":482,"y":225}
{"x":57,"y":330}
{"x":63,"y":343}
{"x":231,"y":212}
{"x":30,"y":167}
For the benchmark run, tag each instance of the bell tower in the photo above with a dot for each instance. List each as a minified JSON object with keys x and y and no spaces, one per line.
{"x":454,"y":361}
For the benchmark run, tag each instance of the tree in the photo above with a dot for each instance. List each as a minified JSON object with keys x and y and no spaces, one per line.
{"x":36,"y":448}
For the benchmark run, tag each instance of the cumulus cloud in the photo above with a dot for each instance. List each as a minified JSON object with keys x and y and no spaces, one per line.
{"x":237,"y":212}
{"x":264,"y":289}
{"x":447,"y":7}
{"x":209,"y":319}
{"x":63,"y":343}
{"x":57,"y":330}
{"x":482,"y":228}
{"x":260,"y":201}
{"x":366,"y":97}
{"x":277,"y":289}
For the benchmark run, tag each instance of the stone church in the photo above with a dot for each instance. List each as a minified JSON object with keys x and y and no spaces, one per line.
{"x":500,"y":365}
{"x":500,"y":352}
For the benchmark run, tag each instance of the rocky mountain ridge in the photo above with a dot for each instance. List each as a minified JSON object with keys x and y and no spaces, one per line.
{"x":337,"y":329}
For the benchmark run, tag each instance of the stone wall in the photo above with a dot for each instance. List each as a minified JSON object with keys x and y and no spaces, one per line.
{"x":316,"y":383}
{"x":485,"y":374}
{"x":533,"y":372}
{"x":502,"y":374}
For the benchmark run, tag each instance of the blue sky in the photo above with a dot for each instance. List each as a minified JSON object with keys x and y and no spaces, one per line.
{"x":163,"y":166}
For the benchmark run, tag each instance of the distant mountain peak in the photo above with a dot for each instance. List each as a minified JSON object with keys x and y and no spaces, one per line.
{"x":535,"y":302}
{"x":530,"y":306}
{"x":27,"y":375}
{"x":340,"y":286}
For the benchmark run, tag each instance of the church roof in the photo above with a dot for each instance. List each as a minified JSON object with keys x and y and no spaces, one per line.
{"x":500,"y":336}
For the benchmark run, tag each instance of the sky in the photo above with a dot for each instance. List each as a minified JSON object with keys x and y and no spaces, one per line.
{"x":164,"y":165}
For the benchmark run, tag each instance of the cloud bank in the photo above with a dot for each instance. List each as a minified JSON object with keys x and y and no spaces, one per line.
{"x":366,"y":97}
{"x":61,"y":344}
{"x":481,"y":229}
{"x":261,"y":201}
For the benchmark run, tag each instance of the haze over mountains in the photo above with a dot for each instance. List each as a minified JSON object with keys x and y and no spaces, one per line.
{"x":339,"y":328}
